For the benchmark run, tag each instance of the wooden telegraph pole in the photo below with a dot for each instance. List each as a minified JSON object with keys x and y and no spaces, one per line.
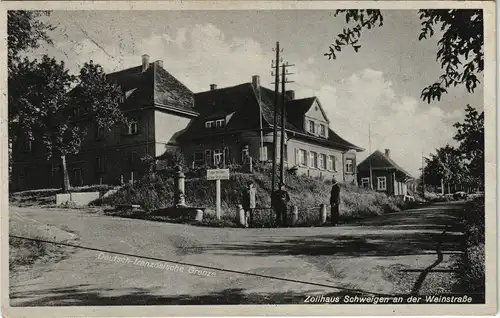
{"x":275,"y":126}
{"x":284,"y":80}
{"x":423,"y":177}
{"x":369,"y":154}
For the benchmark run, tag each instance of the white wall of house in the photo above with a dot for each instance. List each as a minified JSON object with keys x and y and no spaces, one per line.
{"x":315,"y":122}
{"x":167,"y":127}
{"x":296,"y":149}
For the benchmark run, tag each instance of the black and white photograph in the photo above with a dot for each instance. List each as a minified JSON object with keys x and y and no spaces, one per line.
{"x":245,"y":156}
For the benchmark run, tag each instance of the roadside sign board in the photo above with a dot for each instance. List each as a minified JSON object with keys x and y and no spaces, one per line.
{"x":218,"y":174}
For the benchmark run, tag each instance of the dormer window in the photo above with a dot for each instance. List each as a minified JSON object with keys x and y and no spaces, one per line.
{"x":219,"y":123}
{"x":312,"y":127}
{"x":322,"y":130}
{"x":215,"y":123}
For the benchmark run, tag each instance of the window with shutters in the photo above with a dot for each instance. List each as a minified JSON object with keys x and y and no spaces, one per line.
{"x":322,"y":161}
{"x":322,"y":130}
{"x":132,"y":126}
{"x":219,"y":123}
{"x":302,"y":157}
{"x":208,"y":157}
{"x":245,"y":155}
{"x":313,"y":159}
{"x":349,"y":165}
{"x":227,"y":156}
{"x":218,"y":157}
{"x":312,"y":127}
{"x":332,"y":163}
{"x":198,"y":158}
{"x":264,"y":152}
{"x":100,"y":165}
{"x":365,"y":182}
{"x":381,"y":183}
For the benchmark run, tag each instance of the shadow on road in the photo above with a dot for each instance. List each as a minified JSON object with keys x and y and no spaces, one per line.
{"x":81,"y":296}
{"x":406,"y":233}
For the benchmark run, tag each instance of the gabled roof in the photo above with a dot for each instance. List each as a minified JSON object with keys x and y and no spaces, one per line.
{"x":297,"y":108}
{"x":153,"y":87}
{"x":378,"y":160}
{"x":243,"y":101}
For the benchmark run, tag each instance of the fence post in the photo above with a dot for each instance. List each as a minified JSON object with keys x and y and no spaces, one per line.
{"x":180,"y":199}
{"x":241,"y":215}
{"x":322,"y":213}
{"x":295,"y":215}
{"x":199,"y":215}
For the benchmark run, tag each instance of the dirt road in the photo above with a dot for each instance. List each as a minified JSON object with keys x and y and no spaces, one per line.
{"x":406,"y":252}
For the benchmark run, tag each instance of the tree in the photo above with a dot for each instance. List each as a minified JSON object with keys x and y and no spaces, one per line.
{"x":470,"y":135}
{"x":47,"y":109}
{"x":460,"y":49}
{"x":25,"y":31}
{"x":445,"y":166}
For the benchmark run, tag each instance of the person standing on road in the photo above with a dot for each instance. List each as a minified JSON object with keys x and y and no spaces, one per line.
{"x":335,"y":201}
{"x":279,"y":202}
{"x":249,"y":203}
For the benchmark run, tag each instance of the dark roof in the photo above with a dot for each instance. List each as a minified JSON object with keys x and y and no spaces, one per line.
{"x":336,"y":139}
{"x":154,"y":86}
{"x":379,"y":160}
{"x":242,"y":100}
{"x":239,"y":100}
{"x":296,"y":109}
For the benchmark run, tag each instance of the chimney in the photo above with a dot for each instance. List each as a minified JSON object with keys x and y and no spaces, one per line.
{"x":290,"y":94}
{"x":159,"y":63}
{"x":213,"y":87}
{"x":256,"y":81}
{"x":145,"y":62}
{"x":388,"y":153}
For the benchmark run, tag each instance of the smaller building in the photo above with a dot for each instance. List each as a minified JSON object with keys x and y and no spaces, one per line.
{"x":386,"y":175}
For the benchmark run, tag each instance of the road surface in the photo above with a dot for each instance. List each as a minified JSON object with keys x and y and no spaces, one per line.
{"x":406,"y":252}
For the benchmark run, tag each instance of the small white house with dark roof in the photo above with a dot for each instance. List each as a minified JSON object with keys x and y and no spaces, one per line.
{"x":385,"y":174}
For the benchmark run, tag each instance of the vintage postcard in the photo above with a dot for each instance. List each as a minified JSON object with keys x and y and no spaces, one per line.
{"x":248,"y":158}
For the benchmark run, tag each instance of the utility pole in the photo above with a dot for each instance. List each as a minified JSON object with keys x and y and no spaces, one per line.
{"x":369,"y":154}
{"x":261,"y":152}
{"x":275,"y":126}
{"x":423,"y":178}
{"x":284,"y":80}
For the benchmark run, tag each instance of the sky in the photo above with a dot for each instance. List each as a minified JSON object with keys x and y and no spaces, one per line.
{"x":377,"y":89}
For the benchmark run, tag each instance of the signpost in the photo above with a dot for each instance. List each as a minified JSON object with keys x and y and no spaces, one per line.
{"x":217,"y":175}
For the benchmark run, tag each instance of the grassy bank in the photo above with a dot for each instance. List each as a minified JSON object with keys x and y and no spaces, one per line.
{"x":155,"y":191}
{"x":47,"y":197}
{"x":474,"y":231}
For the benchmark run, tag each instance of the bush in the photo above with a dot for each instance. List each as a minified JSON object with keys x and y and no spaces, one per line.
{"x":151,"y":192}
{"x":474,"y":276}
{"x":474,"y":257}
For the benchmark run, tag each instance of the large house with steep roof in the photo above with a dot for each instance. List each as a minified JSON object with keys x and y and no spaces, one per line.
{"x":385,"y":174}
{"x":221,"y":126}
{"x":237,"y":122}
